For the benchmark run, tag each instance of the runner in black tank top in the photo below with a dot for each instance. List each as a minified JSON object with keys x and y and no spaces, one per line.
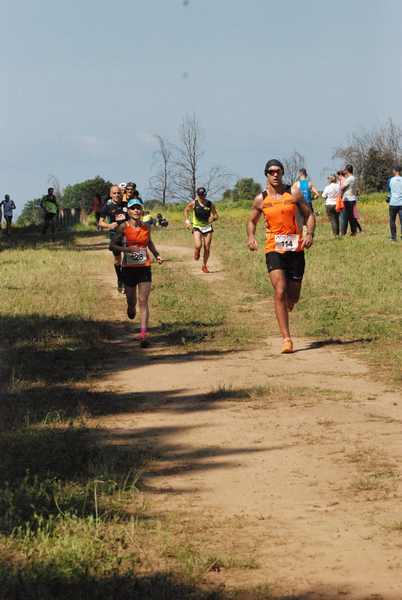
{"x":203,"y":214}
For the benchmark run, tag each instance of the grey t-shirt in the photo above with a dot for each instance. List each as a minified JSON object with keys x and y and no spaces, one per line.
{"x":350,"y":192}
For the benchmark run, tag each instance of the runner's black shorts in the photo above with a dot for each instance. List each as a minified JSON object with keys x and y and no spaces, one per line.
{"x":132,"y":276}
{"x":292,"y":263}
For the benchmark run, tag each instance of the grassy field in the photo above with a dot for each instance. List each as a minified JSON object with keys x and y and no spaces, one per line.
{"x":352,"y":287}
{"x":73,"y":521}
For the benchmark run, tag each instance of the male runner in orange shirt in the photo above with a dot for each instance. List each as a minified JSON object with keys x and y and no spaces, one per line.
{"x":284,"y":246}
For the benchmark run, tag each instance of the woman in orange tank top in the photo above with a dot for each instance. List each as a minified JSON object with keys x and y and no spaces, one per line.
{"x":284,"y":245}
{"x":133,"y":239}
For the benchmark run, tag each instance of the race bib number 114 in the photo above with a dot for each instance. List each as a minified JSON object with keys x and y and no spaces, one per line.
{"x":287,"y":243}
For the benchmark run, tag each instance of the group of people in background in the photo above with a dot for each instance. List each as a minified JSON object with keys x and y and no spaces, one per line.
{"x":122,"y":216}
{"x":341,"y":196}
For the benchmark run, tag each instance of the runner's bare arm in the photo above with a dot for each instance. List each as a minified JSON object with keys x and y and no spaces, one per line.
{"x":309,"y":219}
{"x":187,"y":210}
{"x":295,"y":188}
{"x":214,"y":215}
{"x":255,"y":215}
{"x":154,"y":251}
{"x":117,"y":241}
{"x":314,"y":191}
{"x":104,"y":225}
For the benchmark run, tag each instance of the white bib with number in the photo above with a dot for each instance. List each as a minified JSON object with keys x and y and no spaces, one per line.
{"x":287,"y":243}
{"x":205,"y":229}
{"x":137,"y":258}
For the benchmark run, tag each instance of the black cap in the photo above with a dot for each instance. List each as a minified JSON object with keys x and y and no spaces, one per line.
{"x":273,"y":163}
{"x":201,"y":191}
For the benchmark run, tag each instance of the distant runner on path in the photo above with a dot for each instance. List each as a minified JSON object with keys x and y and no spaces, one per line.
{"x":133,"y":239}
{"x":50,"y":209}
{"x":8,"y":208}
{"x":203,"y":215}
{"x":284,"y":246}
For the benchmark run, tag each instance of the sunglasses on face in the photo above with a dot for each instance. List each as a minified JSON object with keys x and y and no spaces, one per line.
{"x":273,"y":172}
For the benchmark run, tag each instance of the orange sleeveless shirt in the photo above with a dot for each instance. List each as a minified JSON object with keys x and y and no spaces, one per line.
{"x":282,"y":232}
{"x":139,"y":237}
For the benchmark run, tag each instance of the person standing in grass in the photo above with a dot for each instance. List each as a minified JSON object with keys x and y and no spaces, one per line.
{"x":284,"y":246}
{"x":395,"y":201}
{"x":8,"y":208}
{"x":111,"y":215}
{"x":203,"y":215}
{"x":50,"y":208}
{"x":330,"y":194}
{"x":133,"y":240}
{"x":348,"y":190}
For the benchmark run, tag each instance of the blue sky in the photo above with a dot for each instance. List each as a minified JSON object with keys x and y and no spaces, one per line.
{"x":87,"y":83}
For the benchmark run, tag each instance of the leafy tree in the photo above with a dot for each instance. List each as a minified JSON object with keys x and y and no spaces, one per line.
{"x":244,"y":189}
{"x":372,"y":154}
{"x":81,"y":195}
{"x":377,"y":170}
{"x":31,"y":214}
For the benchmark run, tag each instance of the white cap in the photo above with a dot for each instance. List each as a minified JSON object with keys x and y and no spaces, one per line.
{"x":122,"y":185}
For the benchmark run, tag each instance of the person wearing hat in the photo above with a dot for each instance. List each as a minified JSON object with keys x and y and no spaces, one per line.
{"x":284,"y":245}
{"x":133,"y":240}
{"x":203,"y":215}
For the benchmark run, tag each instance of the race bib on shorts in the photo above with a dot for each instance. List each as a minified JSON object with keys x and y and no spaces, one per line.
{"x":206,"y":229}
{"x":137,"y":258}
{"x":287,"y":243}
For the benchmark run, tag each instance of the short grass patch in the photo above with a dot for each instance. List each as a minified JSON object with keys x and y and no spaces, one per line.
{"x":351,"y":290}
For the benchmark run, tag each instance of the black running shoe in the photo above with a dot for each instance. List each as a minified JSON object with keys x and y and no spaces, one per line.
{"x":131,"y":312}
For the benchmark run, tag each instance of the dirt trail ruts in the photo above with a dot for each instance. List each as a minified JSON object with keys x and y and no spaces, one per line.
{"x":314,"y":468}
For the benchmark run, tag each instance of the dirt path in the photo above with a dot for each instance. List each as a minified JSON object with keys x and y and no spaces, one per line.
{"x":299,"y":453}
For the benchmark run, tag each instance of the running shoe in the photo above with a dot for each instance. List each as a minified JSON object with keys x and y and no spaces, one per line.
{"x":130,"y":312}
{"x":143,"y":339}
{"x":204,"y":269}
{"x":287,"y":346}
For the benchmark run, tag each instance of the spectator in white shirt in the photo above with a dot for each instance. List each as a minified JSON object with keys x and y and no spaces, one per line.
{"x":330,"y":194}
{"x":348,"y":189}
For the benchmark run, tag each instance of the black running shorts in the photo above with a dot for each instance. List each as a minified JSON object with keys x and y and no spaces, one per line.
{"x":132,"y":276}
{"x":292,"y":263}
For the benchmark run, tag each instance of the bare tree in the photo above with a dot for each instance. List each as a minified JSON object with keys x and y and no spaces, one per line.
{"x":188,"y":158}
{"x":54,"y":182}
{"x":161,"y":184}
{"x":384,"y":142}
{"x":217,"y":180}
{"x":292,"y":165}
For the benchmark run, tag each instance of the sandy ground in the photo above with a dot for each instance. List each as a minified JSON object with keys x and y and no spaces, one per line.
{"x":301,"y":451}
